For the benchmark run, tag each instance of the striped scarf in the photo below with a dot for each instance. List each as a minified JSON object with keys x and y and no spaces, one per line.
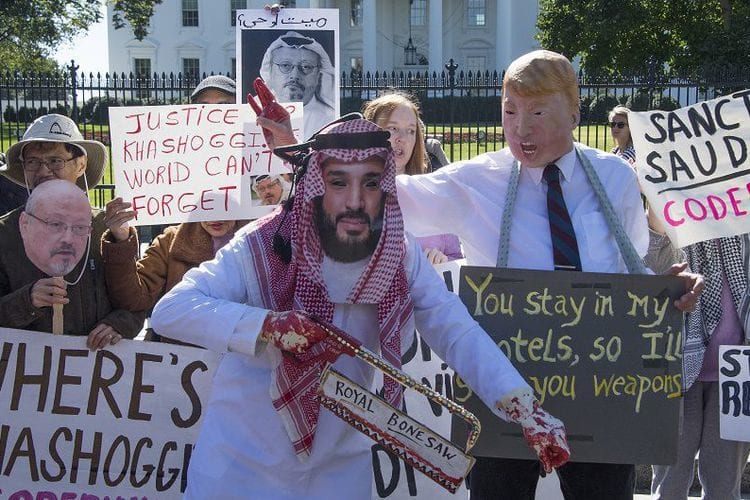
{"x":729,"y":256}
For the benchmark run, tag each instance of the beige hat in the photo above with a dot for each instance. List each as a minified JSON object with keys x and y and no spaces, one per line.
{"x":57,"y":128}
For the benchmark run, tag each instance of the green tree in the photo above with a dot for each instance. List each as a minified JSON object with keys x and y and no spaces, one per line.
{"x":633,"y":36}
{"x":30,"y":30}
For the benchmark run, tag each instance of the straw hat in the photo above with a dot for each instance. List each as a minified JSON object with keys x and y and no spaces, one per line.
{"x":57,"y":128}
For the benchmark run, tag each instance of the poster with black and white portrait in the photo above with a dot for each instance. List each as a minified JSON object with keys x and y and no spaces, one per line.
{"x":296,"y":52}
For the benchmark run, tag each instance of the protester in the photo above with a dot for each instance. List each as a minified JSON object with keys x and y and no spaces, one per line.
{"x":722,"y":317}
{"x":620,"y":130}
{"x":53,"y":148}
{"x":497,"y":203}
{"x":397,"y":113}
{"x":271,"y":189}
{"x":298,"y":68}
{"x":336,"y":254}
{"x":136,"y":285}
{"x":215,"y":89}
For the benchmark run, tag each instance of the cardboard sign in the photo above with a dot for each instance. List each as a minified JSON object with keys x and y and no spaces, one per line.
{"x":118,"y":422}
{"x":392,"y":477}
{"x":694,"y":168}
{"x":734,"y":396}
{"x":601,"y":351}
{"x":191,"y":162}
{"x":296,"y":52}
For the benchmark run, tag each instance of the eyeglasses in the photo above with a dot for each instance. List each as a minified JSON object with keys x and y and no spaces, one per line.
{"x":52,"y":164}
{"x":304,"y":68}
{"x":55,"y":227}
{"x":617,"y":124}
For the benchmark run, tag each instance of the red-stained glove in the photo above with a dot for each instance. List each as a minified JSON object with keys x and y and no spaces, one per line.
{"x":273,"y":111}
{"x":292,"y":331}
{"x":543,"y":432}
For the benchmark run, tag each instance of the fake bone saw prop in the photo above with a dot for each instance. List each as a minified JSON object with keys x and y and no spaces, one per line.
{"x":426,"y":451}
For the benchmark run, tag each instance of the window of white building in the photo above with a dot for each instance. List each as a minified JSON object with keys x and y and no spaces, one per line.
{"x":356,"y":66}
{"x":355,"y":14}
{"x":190,"y":12}
{"x":477,"y":12}
{"x":234,"y":6}
{"x":418,"y":12}
{"x":142,"y":71}
{"x":191,"y":68}
{"x":142,"y":67}
{"x":475,"y":64}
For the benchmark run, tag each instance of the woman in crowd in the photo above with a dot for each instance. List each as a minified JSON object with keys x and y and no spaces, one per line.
{"x":399,"y":115}
{"x":620,"y":130}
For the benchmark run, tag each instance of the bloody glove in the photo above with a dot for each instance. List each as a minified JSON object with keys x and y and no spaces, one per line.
{"x":270,"y":109}
{"x":292,"y":331}
{"x":543,"y":432}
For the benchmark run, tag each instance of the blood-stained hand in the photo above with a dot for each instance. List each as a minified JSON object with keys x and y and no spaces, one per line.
{"x":292,"y":331}
{"x":272,"y":116}
{"x":543,"y":432}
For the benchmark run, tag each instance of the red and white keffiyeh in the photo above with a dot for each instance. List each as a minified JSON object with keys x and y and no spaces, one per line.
{"x":300,"y":285}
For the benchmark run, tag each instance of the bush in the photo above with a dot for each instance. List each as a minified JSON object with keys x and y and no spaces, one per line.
{"x":600,"y":108}
{"x":10,"y":115}
{"x":647,"y":102}
{"x":100,"y":109}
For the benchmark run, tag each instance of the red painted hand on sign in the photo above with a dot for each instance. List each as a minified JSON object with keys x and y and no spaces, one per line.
{"x":272,"y":116}
{"x":543,"y":432}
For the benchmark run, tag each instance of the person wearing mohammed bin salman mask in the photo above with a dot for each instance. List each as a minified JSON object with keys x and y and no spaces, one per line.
{"x":337,"y":253}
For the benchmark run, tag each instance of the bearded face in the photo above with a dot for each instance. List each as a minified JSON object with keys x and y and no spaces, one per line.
{"x":349,"y":215}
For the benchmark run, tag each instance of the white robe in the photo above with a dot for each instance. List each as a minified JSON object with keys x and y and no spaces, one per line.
{"x":243,"y":450}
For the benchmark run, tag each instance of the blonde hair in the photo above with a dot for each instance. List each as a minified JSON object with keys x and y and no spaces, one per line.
{"x":618,"y":110}
{"x":379,"y":111}
{"x":543,"y":72}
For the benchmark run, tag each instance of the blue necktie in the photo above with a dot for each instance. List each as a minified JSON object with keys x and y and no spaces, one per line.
{"x":564,"y":243}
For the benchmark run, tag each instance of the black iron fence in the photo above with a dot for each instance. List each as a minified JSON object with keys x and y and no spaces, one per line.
{"x":462,"y":109}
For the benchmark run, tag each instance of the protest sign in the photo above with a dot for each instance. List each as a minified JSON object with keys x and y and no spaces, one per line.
{"x":116,"y":423}
{"x":392,"y":478}
{"x":296,"y":52}
{"x":734,"y":395}
{"x":693,"y":167}
{"x":601,"y":351}
{"x":191,"y":162}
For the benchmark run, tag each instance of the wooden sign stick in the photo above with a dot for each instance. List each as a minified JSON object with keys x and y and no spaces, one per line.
{"x":57,"y":319}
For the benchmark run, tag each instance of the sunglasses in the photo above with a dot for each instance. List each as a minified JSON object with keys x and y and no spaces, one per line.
{"x":617,"y":124}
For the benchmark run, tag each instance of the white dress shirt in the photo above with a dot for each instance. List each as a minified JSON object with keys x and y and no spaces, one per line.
{"x":467,"y":199}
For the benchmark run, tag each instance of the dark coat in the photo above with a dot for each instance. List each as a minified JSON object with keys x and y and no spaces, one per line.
{"x":89,"y":304}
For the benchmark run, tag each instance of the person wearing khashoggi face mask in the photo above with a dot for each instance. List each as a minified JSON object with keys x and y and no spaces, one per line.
{"x":55,"y":226}
{"x":49,"y":264}
{"x":137,"y":284}
{"x":54,"y":154}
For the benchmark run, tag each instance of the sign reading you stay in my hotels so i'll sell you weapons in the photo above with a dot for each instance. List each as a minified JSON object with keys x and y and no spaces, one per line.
{"x":601,"y":351}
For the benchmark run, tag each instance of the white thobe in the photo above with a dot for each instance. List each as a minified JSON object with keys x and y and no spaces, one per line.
{"x":467,"y":199}
{"x":243,"y":450}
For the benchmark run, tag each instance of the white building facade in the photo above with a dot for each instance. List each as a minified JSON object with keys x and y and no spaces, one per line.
{"x":198,"y":36}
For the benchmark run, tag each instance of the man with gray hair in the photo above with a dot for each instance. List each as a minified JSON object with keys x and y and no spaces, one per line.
{"x":298,"y":68}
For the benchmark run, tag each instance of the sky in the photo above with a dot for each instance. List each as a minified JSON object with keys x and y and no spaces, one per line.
{"x":89,"y":50}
